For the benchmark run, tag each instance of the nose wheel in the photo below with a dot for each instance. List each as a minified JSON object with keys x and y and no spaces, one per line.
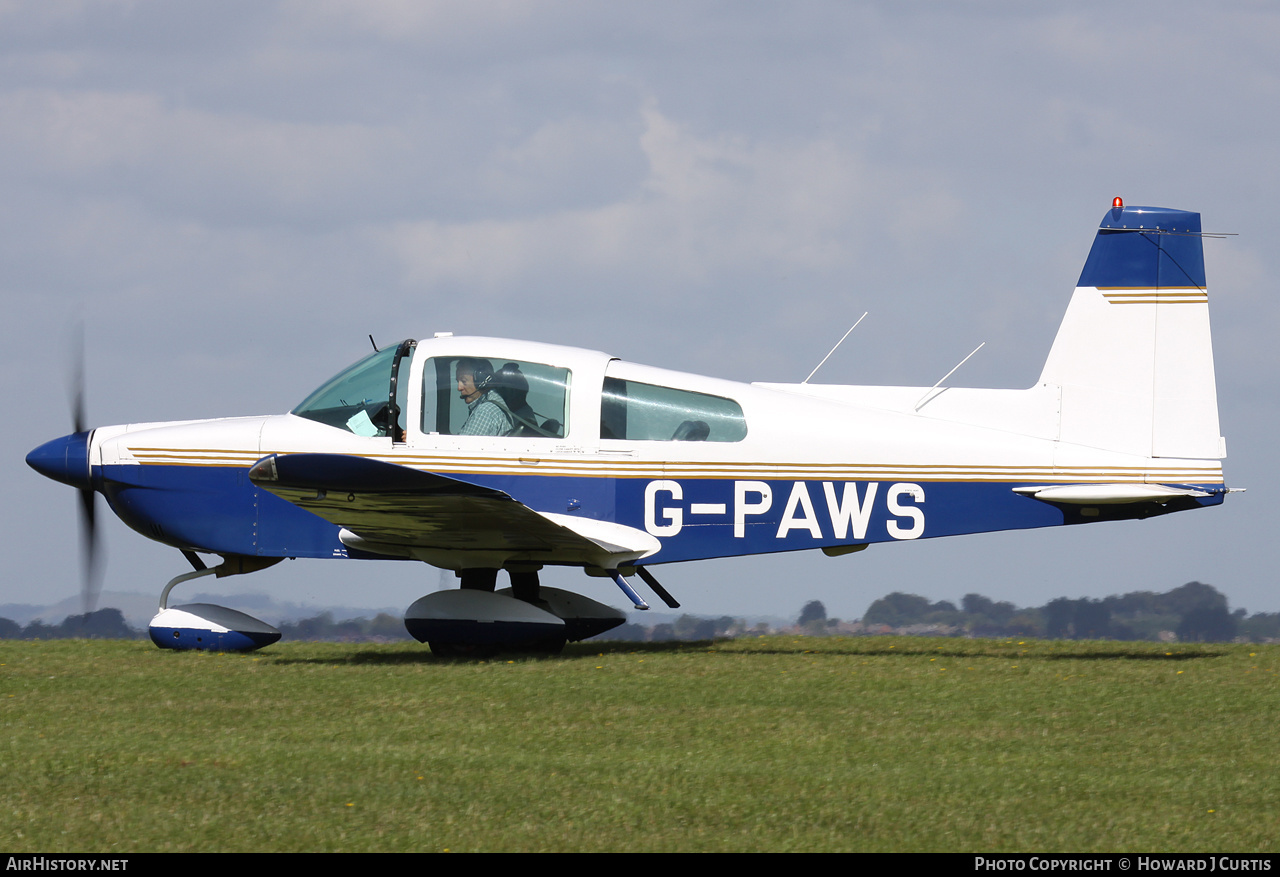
{"x":204,"y":626}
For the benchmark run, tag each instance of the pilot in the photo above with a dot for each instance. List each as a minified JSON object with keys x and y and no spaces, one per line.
{"x":487,"y":413}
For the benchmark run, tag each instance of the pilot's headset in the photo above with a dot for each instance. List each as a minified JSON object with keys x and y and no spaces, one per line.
{"x":481,"y":371}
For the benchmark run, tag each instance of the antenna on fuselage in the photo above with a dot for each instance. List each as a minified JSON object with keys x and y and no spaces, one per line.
{"x":833,"y":349}
{"x":374,"y":343}
{"x":921,"y":402}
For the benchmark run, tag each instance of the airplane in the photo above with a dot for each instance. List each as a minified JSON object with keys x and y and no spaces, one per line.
{"x":483,"y":455}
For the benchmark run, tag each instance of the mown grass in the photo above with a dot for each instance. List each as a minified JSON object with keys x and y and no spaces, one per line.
{"x":775,"y":743}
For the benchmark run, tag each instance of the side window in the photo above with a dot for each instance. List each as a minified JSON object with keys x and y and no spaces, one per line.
{"x":468,"y":395}
{"x":645,"y":412}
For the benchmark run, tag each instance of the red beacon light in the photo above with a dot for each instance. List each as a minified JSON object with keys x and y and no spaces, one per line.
{"x":1117,"y":202}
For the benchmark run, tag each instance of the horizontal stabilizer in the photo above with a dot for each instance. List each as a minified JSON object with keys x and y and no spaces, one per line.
{"x":1109,"y":494}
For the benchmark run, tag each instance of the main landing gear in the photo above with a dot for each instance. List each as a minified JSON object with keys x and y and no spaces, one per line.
{"x":477,"y":620}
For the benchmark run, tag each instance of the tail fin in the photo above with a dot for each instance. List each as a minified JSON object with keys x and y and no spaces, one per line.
{"x":1133,"y":358}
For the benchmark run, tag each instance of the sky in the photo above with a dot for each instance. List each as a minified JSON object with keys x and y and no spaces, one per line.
{"x":231,"y":196}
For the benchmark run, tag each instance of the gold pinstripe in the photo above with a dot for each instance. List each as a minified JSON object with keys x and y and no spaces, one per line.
{"x":1142,"y":295}
{"x":209,"y":457}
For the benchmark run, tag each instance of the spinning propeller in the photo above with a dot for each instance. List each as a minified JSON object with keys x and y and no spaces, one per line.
{"x":66,"y":459}
{"x":91,"y":573}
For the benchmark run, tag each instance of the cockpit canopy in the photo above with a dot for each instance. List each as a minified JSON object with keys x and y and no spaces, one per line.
{"x":471,"y":392}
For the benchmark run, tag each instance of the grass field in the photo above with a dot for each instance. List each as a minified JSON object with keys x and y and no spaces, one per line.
{"x":775,"y":743}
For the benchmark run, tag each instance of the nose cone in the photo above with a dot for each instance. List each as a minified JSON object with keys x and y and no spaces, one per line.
{"x":64,"y":459}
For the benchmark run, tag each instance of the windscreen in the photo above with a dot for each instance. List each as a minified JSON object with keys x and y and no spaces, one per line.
{"x":355,"y":399}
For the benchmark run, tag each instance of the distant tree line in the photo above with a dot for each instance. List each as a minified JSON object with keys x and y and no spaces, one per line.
{"x":685,"y":628}
{"x":110,"y":624}
{"x":102,"y":624}
{"x":1194,"y":612}
{"x":381,"y":628}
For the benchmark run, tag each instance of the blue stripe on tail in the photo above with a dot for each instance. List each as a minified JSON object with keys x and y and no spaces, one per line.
{"x":1146,"y":247}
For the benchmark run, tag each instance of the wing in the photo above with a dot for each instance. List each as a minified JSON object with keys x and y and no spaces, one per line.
{"x":390,"y":509}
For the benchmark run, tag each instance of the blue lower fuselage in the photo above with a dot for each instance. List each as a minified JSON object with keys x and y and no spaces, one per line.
{"x":218,"y":510}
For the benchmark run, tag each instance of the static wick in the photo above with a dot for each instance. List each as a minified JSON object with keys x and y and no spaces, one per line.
{"x":947,"y":375}
{"x":833,"y":349}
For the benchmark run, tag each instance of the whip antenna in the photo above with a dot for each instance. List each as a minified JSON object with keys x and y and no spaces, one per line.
{"x":833,"y":349}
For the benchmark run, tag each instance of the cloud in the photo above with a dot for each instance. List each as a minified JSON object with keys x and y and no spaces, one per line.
{"x":707,"y":207}
{"x":191,"y":162}
{"x":415,"y":20}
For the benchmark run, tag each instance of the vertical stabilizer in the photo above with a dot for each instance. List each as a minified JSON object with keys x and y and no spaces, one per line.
{"x":1133,"y":358}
